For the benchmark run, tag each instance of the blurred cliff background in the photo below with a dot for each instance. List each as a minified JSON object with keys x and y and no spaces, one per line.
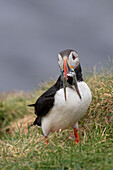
{"x":32,"y":32}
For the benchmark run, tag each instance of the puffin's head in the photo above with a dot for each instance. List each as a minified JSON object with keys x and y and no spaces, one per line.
{"x":69,"y":61}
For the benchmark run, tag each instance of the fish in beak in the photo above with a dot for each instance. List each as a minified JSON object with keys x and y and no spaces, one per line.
{"x":67,"y":71}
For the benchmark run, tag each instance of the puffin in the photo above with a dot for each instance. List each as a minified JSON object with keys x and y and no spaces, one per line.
{"x":64,"y":104}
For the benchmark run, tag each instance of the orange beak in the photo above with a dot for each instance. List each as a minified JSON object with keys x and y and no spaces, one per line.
{"x":65,"y":67}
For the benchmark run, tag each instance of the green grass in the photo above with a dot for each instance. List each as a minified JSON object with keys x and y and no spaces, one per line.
{"x":26,"y":149}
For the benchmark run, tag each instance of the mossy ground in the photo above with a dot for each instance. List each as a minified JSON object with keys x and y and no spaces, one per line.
{"x":24,"y":147}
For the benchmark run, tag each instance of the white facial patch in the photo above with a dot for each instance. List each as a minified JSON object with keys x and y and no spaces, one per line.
{"x":60,"y":60}
{"x":74,"y":59}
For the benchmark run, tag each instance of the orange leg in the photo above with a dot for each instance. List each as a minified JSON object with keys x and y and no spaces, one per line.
{"x":46,"y":141}
{"x":76,"y":136}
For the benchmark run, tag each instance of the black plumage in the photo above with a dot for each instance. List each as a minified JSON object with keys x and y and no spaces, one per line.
{"x":45,"y":102}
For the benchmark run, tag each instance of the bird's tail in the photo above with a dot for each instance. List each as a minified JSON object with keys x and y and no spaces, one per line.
{"x":31,"y":105}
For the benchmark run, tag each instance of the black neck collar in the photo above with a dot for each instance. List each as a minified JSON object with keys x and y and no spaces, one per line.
{"x":78,"y":72}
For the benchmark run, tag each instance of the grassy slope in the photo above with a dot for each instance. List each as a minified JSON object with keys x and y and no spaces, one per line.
{"x":20,"y":150}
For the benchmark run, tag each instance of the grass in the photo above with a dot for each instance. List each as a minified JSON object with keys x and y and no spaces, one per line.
{"x":24,"y":148}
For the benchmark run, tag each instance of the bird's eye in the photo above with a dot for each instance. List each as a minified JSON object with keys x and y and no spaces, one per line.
{"x":73,"y":57}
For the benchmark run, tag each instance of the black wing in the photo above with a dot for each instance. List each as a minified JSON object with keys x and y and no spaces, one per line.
{"x":45,"y":102}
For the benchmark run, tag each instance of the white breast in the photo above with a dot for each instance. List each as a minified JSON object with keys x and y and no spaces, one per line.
{"x":65,"y":114}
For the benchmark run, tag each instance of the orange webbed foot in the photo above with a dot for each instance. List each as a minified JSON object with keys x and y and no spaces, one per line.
{"x":76,"y":136}
{"x":46,"y":141}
